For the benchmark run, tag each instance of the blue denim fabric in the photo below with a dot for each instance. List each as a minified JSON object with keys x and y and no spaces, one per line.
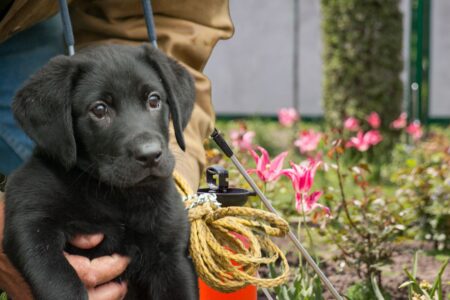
{"x":21,"y":56}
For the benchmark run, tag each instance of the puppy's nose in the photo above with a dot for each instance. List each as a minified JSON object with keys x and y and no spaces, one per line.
{"x":148,"y":154}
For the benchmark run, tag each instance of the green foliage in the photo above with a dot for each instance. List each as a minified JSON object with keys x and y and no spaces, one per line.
{"x":424,"y":185}
{"x":362,"y":59}
{"x":365,"y":227}
{"x":422,"y":289}
{"x":364,"y":291}
{"x":3,"y":296}
{"x":304,"y":286}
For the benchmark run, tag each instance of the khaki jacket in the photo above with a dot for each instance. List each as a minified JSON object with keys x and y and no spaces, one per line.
{"x":187,"y":30}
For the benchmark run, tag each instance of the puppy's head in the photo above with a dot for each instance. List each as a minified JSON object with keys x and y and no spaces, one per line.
{"x":107,"y":110}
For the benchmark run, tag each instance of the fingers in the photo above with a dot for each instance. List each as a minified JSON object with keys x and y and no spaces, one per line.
{"x":99,"y":270}
{"x":108,"y":291}
{"x":87,"y":241}
{"x":109,"y":267}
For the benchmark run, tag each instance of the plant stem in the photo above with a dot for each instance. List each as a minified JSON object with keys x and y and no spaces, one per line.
{"x":343,"y":198}
{"x":300,"y":257}
{"x":308,"y":232}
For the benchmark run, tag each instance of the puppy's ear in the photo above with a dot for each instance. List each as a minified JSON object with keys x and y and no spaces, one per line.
{"x":179,"y":86}
{"x":43,"y":109}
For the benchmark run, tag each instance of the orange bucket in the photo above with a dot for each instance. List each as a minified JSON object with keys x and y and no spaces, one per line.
{"x":247,"y":293}
{"x":208,"y":293}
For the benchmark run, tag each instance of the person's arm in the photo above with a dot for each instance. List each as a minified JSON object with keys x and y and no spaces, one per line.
{"x":96,"y":274}
{"x":187,"y":30}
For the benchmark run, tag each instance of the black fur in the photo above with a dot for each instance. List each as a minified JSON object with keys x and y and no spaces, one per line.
{"x":88,"y":174}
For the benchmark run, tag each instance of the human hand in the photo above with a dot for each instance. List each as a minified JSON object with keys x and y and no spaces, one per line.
{"x":96,"y":274}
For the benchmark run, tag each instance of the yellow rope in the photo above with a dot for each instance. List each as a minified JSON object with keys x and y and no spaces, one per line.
{"x":214,"y":246}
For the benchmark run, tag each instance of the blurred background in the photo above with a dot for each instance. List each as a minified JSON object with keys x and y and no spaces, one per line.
{"x":358,"y":91}
{"x":278,"y":55}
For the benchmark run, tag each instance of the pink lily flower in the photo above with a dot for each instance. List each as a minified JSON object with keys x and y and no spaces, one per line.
{"x":400,"y":122}
{"x":363,"y":141}
{"x":302,"y":178}
{"x":288,"y":116}
{"x":415,"y":130}
{"x":374,"y":120}
{"x":241,"y":139}
{"x":302,"y":175}
{"x":267,"y":170}
{"x":307,"y":202}
{"x":308,"y":140}
{"x":351,"y":124}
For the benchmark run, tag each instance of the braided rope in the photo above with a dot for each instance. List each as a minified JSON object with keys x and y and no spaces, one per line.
{"x":221,"y":259}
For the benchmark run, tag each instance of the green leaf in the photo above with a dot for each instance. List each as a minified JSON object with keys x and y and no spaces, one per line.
{"x":285,"y":294}
{"x":414,"y":274}
{"x":439,"y":289}
{"x":405,"y":284}
{"x":375,"y":287}
{"x":416,"y":285}
{"x":439,"y":276}
{"x":415,"y":262}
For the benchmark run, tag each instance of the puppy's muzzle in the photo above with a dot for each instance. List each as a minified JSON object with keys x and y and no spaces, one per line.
{"x":148,"y":154}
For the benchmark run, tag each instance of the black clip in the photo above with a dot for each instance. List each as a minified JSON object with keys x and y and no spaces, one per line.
{"x":217,"y":178}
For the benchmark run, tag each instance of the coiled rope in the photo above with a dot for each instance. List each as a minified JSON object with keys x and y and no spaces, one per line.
{"x":217,"y":249}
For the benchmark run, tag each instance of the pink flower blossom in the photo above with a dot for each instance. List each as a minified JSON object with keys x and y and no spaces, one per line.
{"x":415,"y":130}
{"x":400,"y":122}
{"x":302,"y":175}
{"x":363,"y":141}
{"x":302,"y":178}
{"x":373,"y":137}
{"x":308,"y":203}
{"x":288,"y":116}
{"x":351,"y":124}
{"x":265,"y":169}
{"x":374,"y":120}
{"x":304,"y":202}
{"x":308,"y":140}
{"x":241,"y":139}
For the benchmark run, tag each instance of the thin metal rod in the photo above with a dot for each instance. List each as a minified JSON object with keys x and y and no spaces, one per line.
{"x":291,"y":236}
{"x":67,"y":27}
{"x":148,"y":15}
{"x":267,"y":294}
{"x":265,"y":290}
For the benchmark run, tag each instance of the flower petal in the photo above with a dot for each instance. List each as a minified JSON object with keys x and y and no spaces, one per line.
{"x":277,"y":163}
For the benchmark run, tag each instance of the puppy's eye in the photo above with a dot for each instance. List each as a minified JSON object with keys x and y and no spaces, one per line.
{"x":99,"y":110}
{"x":154,"y":101}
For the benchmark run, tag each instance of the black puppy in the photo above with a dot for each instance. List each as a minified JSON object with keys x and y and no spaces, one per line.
{"x":100,"y":120}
